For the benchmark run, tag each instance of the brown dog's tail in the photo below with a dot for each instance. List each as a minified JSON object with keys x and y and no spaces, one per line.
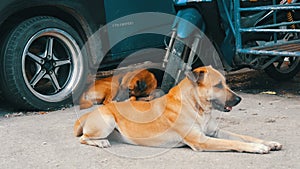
{"x":78,"y":126}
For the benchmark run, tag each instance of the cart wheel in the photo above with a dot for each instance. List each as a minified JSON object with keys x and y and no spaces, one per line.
{"x":44,"y":65}
{"x":284,"y":69}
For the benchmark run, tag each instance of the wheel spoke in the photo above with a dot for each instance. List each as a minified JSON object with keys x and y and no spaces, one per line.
{"x":54,"y":81}
{"x":291,"y":61}
{"x":36,"y":58}
{"x":37,"y":77}
{"x":62,"y":62}
{"x":279,"y":64}
{"x":49,"y":48}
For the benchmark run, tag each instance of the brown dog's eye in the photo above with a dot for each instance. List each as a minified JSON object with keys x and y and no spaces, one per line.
{"x":219,"y":85}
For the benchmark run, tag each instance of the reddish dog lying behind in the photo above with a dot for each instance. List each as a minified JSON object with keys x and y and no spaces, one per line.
{"x":181,"y":117}
{"x":139,"y":83}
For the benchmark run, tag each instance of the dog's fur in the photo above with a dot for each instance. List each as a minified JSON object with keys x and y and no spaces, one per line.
{"x":181,"y":117}
{"x":138,"y":83}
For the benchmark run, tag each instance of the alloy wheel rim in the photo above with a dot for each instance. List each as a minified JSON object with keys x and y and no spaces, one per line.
{"x":51,"y":64}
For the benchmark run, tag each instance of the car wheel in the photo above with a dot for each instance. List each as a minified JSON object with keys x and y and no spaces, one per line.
{"x":43,"y":64}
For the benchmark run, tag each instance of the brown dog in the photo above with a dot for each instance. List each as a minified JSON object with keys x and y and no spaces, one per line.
{"x":139,"y":83}
{"x":181,"y":117}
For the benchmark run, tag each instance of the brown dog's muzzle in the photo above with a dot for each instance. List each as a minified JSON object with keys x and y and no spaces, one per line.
{"x":232,"y":101}
{"x":123,"y":95}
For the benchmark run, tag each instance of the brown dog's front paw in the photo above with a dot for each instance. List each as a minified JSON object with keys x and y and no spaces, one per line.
{"x":132,"y":98}
{"x":259,"y":148}
{"x":274,"y":146}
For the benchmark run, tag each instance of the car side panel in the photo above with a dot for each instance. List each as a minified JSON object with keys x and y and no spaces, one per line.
{"x":132,"y":26}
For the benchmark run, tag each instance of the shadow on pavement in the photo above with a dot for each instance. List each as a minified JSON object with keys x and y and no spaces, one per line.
{"x":250,"y":81}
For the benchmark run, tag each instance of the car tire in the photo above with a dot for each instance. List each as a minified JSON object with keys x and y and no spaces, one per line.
{"x":44,"y":64}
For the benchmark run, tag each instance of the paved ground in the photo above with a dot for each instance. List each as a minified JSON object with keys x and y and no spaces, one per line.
{"x":47,"y":141}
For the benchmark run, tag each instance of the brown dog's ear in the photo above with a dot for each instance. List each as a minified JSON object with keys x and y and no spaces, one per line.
{"x":197,"y":75}
{"x":190,"y":75}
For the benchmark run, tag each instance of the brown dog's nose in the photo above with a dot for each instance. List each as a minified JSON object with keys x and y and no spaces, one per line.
{"x":233,"y":101}
{"x":238,"y":99}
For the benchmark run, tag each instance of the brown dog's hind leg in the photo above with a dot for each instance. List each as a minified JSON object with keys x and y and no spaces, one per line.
{"x":107,"y":99}
{"x":111,"y":93}
{"x":94,"y":141}
{"x":96,"y":129}
{"x":86,"y":104}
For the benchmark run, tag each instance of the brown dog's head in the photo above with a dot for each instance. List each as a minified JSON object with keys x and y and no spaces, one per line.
{"x":139,"y":83}
{"x":211,"y":85}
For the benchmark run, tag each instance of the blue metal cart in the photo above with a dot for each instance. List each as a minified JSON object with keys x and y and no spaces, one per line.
{"x":276,"y":47}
